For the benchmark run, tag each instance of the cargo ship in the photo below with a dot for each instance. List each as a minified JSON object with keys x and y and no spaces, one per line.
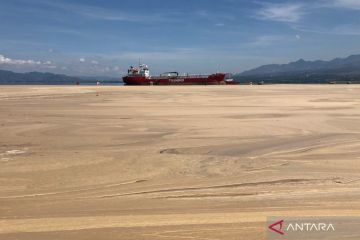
{"x":141,"y":76}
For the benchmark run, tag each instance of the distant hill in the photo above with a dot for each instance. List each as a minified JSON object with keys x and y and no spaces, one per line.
{"x":349,"y":65}
{"x":338,"y":70}
{"x":9,"y":77}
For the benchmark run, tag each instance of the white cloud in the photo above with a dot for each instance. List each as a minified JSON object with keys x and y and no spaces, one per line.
{"x":51,"y":66}
{"x":351,"y":4}
{"x":219,"y":25}
{"x":281,"y":12}
{"x":267,"y":40}
{"x":9,"y":61}
{"x":82,"y":60}
{"x":345,"y":30}
{"x":202,"y":13}
{"x":298,"y":37}
{"x":116,"y":69}
{"x":94,"y":62}
{"x":108,"y":14}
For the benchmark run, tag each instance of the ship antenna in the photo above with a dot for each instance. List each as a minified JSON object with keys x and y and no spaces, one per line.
{"x":139,"y":61}
{"x":218,"y":68}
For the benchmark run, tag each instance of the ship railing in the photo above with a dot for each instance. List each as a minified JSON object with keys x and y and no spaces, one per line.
{"x":182,"y":76}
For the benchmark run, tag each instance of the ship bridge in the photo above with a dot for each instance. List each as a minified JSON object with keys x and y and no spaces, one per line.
{"x":142,"y":70}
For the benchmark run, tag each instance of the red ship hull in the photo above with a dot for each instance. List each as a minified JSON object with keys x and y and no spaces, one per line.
{"x":214,"y":79}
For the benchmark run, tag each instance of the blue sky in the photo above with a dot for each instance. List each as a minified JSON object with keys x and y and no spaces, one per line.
{"x":104,"y":37}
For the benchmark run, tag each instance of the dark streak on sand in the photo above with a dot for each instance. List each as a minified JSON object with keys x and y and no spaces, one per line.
{"x":236,"y":185}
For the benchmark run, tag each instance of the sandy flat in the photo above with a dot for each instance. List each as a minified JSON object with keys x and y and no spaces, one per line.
{"x":186,"y":162}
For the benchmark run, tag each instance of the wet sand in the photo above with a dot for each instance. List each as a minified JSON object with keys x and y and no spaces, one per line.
{"x":197,"y":162}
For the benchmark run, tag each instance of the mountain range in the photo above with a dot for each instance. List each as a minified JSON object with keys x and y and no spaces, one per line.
{"x":9,"y":77}
{"x":347,"y":66}
{"x":338,"y":70}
